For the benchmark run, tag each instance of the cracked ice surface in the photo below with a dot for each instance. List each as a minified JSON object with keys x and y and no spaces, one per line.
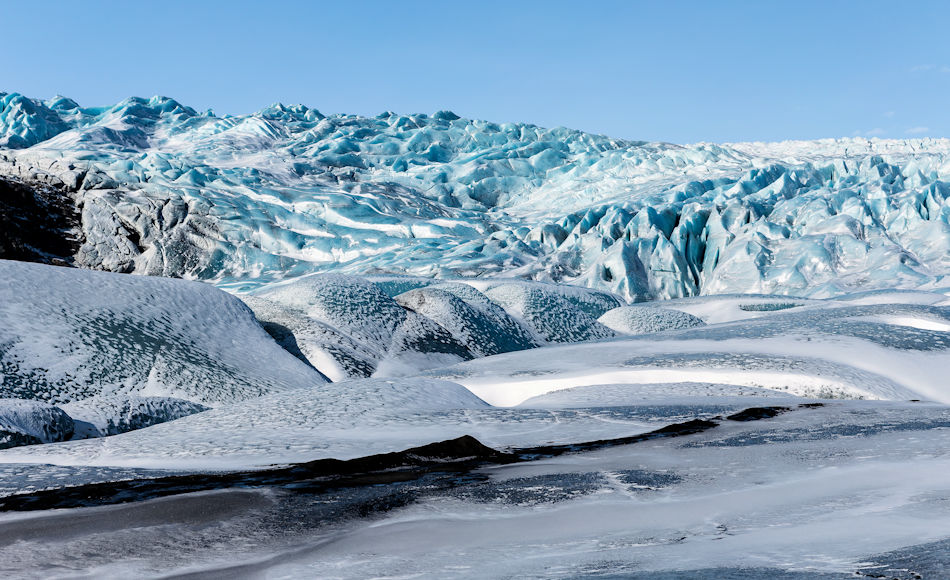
{"x":287,"y":191}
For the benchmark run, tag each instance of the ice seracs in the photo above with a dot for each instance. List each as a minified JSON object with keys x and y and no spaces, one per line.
{"x":288,"y":191}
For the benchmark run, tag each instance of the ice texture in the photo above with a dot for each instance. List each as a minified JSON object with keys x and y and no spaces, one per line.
{"x":286,"y":191}
{"x":26,"y":422}
{"x":828,"y":349}
{"x":424,"y":252}
{"x":471,"y":317}
{"x":550,"y":316}
{"x":70,"y":334}
{"x":356,"y":327}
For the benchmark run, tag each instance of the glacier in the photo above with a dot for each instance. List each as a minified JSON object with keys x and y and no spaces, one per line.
{"x":426,"y":346}
{"x":246,"y":200}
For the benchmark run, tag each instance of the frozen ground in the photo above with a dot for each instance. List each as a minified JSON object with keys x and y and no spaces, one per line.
{"x":817,"y":491}
{"x":812,"y":492}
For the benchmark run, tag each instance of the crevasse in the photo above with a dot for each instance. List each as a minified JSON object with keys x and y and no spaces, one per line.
{"x":286,"y":191}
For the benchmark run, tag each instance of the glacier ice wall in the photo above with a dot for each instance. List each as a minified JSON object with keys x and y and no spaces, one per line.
{"x":286,"y":191}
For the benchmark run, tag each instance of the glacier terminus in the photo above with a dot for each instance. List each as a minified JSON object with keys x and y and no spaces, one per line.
{"x":168,"y":191}
{"x":294,"y":345}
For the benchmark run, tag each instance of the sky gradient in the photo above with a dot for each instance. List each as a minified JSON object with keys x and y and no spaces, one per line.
{"x":662,"y":71}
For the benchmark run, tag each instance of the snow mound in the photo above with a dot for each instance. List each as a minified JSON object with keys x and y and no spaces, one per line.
{"x":481,"y":325}
{"x":420,"y":344}
{"x":552,"y":316}
{"x":25,"y":422}
{"x":348,"y":304}
{"x":70,"y":334}
{"x":346,"y":326}
{"x":103,"y":416}
{"x":646,"y":320}
{"x":332,"y":353}
{"x":354,"y":327}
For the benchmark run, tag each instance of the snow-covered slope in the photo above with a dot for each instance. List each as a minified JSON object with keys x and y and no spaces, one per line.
{"x":26,"y":422}
{"x":288,"y":191}
{"x":791,"y":494}
{"x":70,"y":334}
{"x":841,"y":349}
{"x":817,"y":348}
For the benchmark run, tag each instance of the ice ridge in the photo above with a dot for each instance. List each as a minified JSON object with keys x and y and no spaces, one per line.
{"x":287,"y":191}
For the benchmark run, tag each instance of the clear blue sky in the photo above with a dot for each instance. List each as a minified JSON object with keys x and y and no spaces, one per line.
{"x":666,"y":70}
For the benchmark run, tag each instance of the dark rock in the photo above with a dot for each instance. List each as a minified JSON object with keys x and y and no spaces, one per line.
{"x":38,"y":223}
{"x":756,"y":413}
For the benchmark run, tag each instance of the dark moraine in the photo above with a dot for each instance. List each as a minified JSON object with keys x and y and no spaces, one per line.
{"x":452,"y":458}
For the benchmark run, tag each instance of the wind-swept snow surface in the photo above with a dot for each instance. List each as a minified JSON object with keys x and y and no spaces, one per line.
{"x":354,"y":327}
{"x":735,"y":436}
{"x":646,"y":320}
{"x":165,"y":190}
{"x":828,"y":350}
{"x":839,"y":349}
{"x":70,"y":334}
